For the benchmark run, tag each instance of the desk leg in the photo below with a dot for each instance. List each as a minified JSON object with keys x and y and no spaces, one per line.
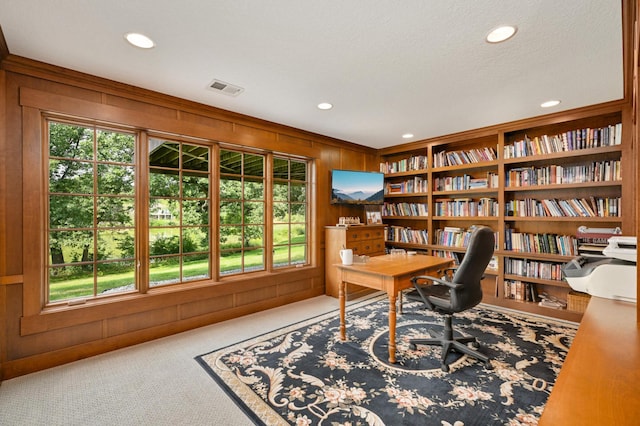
{"x":392,"y":327}
{"x":341,"y":297}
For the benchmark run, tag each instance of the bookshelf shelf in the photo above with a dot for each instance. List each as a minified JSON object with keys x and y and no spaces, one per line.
{"x":484,"y":165}
{"x":488,"y":168}
{"x":535,"y":256}
{"x":469,"y":192}
{"x":585,"y":219}
{"x":405,"y":217}
{"x":561,"y":186}
{"x":406,"y":195}
{"x":534,"y":280}
{"x":467,"y":218}
{"x":406,"y":173}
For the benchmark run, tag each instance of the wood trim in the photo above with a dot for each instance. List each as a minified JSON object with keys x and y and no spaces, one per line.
{"x":11,"y":279}
{"x":30,"y":67}
{"x":492,"y":131}
{"x":33,"y":212}
{"x":4,"y":48}
{"x":103,"y":309}
{"x":4,"y":244}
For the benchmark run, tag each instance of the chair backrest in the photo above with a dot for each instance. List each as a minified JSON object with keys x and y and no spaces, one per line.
{"x":471,"y":269}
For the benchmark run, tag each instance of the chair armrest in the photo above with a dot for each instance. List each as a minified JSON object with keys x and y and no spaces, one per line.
{"x":437,"y":281}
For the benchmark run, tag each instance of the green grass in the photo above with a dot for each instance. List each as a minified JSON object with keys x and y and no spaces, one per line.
{"x":65,"y":289}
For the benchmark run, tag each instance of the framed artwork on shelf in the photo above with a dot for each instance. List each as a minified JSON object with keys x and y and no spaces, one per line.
{"x":374,"y":215}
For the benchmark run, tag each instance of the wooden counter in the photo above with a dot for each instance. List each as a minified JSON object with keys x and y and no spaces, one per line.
{"x":599,"y":383}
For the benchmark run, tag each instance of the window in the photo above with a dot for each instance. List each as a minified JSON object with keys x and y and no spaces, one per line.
{"x":289,"y":212}
{"x":104,"y":233}
{"x":242,"y":212}
{"x":179,"y":249}
{"x":91,"y":212}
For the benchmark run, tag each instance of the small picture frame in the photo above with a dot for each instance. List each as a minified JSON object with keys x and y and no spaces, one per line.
{"x":374,"y":216}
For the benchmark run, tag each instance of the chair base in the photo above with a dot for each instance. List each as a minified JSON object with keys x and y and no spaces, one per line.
{"x":450,"y":343}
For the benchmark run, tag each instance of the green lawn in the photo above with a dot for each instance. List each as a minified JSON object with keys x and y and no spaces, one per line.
{"x":65,"y":289}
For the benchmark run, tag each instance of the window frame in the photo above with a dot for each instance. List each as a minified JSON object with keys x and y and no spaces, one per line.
{"x":95,"y":195}
{"x":180,"y":198}
{"x":307,"y":211}
{"x":36,"y":181}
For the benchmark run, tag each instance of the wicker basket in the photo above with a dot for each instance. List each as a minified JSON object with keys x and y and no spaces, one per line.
{"x":577,"y":301}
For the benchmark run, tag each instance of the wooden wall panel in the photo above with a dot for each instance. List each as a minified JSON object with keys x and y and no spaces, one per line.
{"x":256,"y":295}
{"x":140,"y":321}
{"x":135,"y":105}
{"x":11,"y":153}
{"x":38,"y":339}
{"x":206,"y":306}
{"x":293,"y":287}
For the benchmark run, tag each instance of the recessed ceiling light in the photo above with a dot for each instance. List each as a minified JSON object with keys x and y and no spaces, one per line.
{"x":324,"y":105}
{"x":139,"y":40}
{"x":501,"y":34}
{"x":550,"y":104}
{"x":407,"y":136}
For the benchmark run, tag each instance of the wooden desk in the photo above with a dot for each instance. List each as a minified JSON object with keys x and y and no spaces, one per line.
{"x":598,"y":382}
{"x":389,"y":273}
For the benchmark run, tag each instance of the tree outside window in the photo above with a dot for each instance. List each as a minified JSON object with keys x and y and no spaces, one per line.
{"x":91,"y":212}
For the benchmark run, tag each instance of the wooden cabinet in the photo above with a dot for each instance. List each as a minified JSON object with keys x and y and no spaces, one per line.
{"x":363,"y":240}
{"x":534,"y":183}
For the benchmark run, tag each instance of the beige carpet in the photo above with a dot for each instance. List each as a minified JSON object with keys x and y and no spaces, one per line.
{"x":154,"y":383}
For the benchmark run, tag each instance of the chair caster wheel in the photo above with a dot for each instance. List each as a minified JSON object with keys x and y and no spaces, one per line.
{"x":412,"y":346}
{"x":488,"y":365}
{"x":445,"y":368}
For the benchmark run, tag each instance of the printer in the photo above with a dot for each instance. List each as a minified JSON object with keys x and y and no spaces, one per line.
{"x":612,"y":276}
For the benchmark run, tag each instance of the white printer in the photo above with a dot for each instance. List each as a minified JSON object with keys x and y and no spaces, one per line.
{"x":611,"y":277}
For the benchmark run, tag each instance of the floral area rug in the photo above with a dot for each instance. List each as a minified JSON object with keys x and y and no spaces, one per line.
{"x":304,"y":375}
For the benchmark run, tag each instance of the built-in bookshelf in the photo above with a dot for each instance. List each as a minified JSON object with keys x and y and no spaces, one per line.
{"x":534,"y":183}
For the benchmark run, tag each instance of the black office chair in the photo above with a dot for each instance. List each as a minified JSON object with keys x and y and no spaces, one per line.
{"x":461,"y":292}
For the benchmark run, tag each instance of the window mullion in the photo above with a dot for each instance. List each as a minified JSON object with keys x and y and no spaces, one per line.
{"x":268,"y":212}
{"x":142,"y":214}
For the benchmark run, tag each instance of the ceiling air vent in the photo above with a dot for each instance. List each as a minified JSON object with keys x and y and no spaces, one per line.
{"x":225,"y":88}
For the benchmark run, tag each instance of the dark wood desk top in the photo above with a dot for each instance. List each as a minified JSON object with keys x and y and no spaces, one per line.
{"x":599,"y":383}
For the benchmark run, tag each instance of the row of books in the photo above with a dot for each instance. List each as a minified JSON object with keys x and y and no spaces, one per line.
{"x":409,"y":186}
{"x":483,"y":207}
{"x":465,"y":182}
{"x":454,"y":236}
{"x":533,"y":269}
{"x":565,"y":245}
{"x":416,"y":162}
{"x":518,"y":290}
{"x":404,"y":209}
{"x":400,"y":234}
{"x":574,"y":207}
{"x":457,"y":158}
{"x":598,"y":171}
{"x":567,"y":141}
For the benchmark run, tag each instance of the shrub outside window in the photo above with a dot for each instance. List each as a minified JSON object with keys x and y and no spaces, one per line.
{"x":290,"y":210}
{"x":179,"y":233}
{"x":242,"y":212}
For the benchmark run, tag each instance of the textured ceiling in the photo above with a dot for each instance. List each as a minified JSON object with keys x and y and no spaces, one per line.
{"x":389,"y":67}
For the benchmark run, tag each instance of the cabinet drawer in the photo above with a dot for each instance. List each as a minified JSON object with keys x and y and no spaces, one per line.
{"x":367,"y":247}
{"x":364,"y":234}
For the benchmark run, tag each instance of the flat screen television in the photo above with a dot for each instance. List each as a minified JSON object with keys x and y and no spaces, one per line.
{"x":357,"y":187}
